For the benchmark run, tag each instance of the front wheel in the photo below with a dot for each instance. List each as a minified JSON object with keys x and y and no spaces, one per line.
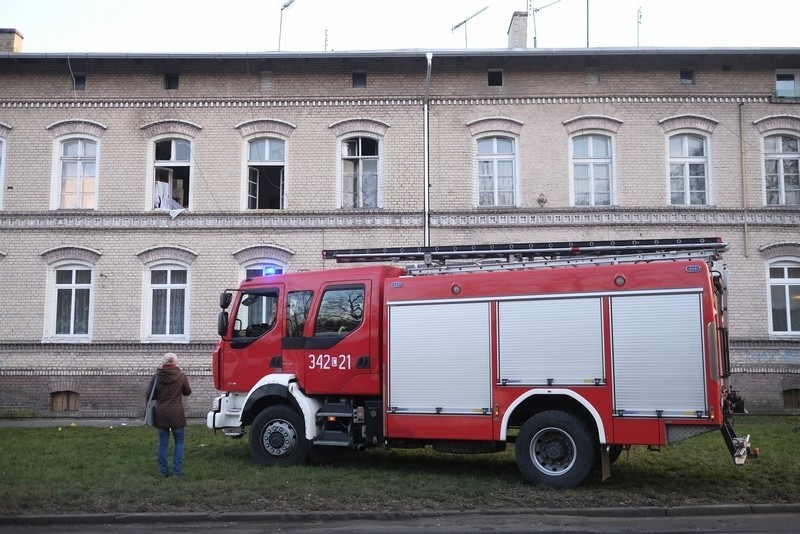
{"x":278,"y":437}
{"x":555,"y":449}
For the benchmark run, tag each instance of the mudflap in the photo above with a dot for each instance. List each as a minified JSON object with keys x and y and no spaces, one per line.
{"x":605,"y":462}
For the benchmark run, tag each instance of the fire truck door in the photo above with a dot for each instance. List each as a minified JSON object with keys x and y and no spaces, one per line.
{"x":340,"y":353}
{"x":256,"y":339}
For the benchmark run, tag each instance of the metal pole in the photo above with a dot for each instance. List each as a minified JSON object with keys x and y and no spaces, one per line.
{"x":587,"y":23}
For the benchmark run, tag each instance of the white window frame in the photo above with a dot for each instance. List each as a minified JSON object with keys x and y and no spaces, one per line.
{"x":2,"y":170}
{"x":51,"y":302}
{"x":784,"y":262}
{"x":788,"y":93}
{"x":612,"y":172}
{"x":261,"y":265}
{"x":160,"y":164}
{"x":247,"y":163}
{"x":777,"y":155}
{"x":495,"y":157}
{"x":686,"y":160}
{"x":147,"y":302}
{"x":341,"y":157}
{"x":57,"y":179}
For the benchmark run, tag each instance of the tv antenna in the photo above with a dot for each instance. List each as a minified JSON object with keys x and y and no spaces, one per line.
{"x":533,"y":11}
{"x":464,"y":23}
{"x":280,"y":24}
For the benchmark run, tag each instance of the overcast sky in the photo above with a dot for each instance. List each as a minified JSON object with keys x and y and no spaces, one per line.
{"x":162,"y":26}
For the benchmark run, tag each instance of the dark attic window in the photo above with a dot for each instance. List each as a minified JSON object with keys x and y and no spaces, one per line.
{"x":171,"y":81}
{"x":687,"y":76}
{"x":359,"y":79}
{"x":495,"y":77}
{"x":79,"y":82}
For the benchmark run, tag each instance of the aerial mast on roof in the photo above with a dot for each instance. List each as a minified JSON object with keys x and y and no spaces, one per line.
{"x":533,"y":11}
{"x":464,"y":23}
{"x":280,"y":24}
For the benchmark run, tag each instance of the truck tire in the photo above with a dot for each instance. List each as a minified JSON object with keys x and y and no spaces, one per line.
{"x":278,"y":437}
{"x":555,"y":449}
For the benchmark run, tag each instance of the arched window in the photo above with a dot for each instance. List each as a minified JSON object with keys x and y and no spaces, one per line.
{"x":497,"y":181}
{"x":172,"y":172}
{"x":592,"y":168}
{"x":688,"y":170}
{"x":78,"y":173}
{"x":360,"y":172}
{"x":782,"y":170}
{"x":784,"y":296}
{"x":265,"y":174}
{"x":169,"y":301}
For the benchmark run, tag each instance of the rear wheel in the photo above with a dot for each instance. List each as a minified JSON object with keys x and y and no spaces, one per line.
{"x":278,"y":437}
{"x":555,"y":449}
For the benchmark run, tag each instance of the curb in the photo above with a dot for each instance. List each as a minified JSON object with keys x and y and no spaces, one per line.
{"x":231,"y":517}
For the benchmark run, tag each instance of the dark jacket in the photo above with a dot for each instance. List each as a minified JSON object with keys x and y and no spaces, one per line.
{"x":171,"y":387}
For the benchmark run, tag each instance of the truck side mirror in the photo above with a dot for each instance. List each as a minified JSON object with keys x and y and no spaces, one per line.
{"x":222,"y":323}
{"x":225,"y":300}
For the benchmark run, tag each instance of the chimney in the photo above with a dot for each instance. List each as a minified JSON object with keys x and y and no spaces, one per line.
{"x":10,"y":40}
{"x":518,"y":30}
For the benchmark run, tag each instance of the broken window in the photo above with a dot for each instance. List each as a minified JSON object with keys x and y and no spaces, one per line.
{"x":172,"y":174}
{"x":265,"y":174}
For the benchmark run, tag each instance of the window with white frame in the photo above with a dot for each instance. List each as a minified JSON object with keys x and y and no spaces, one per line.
{"x":782,"y":170}
{"x":592,"y":161}
{"x":496,"y":172}
{"x":784,"y":296}
{"x":787,"y":84}
{"x":78,"y":163}
{"x":73,"y":301}
{"x":169,"y":299}
{"x":172,"y":174}
{"x":266,"y":174}
{"x":360,"y":176}
{"x":688,"y":165}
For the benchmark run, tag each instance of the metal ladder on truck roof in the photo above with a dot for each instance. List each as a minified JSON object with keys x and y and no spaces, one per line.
{"x":493,"y":257}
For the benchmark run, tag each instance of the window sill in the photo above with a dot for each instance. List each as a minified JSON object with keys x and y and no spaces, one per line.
{"x":67,"y":339}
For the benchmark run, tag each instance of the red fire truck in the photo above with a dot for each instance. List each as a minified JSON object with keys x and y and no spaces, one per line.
{"x":572,"y":351}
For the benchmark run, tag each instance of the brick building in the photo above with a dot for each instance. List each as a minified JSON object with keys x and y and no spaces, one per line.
{"x":135,"y":187}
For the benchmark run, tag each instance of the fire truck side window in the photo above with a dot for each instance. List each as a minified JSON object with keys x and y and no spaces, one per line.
{"x":298,"y":304}
{"x":256,"y":314}
{"x":340,"y":312}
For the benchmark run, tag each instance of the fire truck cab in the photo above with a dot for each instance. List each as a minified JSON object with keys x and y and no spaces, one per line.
{"x":571,"y":351}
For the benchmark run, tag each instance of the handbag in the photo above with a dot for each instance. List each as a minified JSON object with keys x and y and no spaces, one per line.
{"x":150,"y":409}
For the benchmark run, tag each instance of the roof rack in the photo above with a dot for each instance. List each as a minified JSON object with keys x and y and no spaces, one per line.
{"x":711,"y":248}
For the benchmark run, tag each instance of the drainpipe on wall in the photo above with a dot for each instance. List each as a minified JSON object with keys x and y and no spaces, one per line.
{"x":426,"y":154}
{"x":744,"y":180}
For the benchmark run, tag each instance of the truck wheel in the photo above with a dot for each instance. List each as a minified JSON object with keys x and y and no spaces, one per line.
{"x":278,"y":437}
{"x":555,"y":449}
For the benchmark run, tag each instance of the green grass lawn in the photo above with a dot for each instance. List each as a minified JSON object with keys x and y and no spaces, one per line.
{"x":112,"y":469}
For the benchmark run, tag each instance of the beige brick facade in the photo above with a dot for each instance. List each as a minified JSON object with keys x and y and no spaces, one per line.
{"x":633,"y":97}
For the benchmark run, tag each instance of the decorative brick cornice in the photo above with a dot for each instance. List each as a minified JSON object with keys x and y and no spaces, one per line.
{"x":172,"y":253}
{"x":353,"y":125}
{"x":776,"y":250}
{"x":777,"y":122}
{"x":5,"y":129}
{"x":265,"y":127}
{"x":346,"y":219}
{"x":79,"y":253}
{"x":693,"y":122}
{"x":262,"y":252}
{"x":494,"y":124}
{"x":171,"y":126}
{"x":77,"y":126}
{"x":592,"y":122}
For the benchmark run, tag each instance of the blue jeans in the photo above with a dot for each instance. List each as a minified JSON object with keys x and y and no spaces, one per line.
{"x":177,"y":455}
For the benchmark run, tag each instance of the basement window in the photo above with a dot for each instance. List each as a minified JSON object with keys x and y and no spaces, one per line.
{"x":495,"y":78}
{"x":687,"y":76}
{"x":64,"y":401}
{"x":359,"y":79}
{"x":791,"y":399}
{"x":171,"y":81}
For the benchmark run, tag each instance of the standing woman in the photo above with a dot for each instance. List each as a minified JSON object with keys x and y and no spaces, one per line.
{"x":171,"y":386}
